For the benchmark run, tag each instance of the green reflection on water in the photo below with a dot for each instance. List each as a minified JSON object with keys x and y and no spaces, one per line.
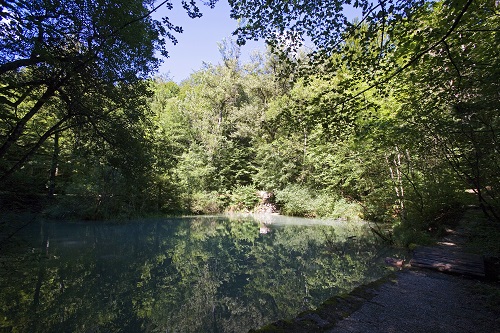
{"x":199,"y":274}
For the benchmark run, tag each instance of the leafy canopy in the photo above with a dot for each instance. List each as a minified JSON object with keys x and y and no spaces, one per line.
{"x":67,"y":64}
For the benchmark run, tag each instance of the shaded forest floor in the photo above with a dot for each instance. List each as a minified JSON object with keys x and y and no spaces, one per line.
{"x":419,"y":300}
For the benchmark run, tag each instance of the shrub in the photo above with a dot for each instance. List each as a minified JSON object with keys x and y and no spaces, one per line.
{"x":410,"y":237}
{"x":323,"y":205}
{"x":206,"y":203}
{"x":243,"y":198}
{"x":347,"y":209}
{"x":295,"y":200}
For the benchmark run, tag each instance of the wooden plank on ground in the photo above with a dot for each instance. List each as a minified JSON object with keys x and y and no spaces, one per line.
{"x":446,"y":260}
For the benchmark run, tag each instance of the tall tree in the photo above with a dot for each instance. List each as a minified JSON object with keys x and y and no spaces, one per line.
{"x":451,"y":98}
{"x":441,"y":58}
{"x":61,"y":52}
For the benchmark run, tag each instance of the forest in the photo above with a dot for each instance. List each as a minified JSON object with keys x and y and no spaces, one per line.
{"x":392,"y":117}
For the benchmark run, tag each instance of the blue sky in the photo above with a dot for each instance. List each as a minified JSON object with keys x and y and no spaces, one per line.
{"x":198,"y":42}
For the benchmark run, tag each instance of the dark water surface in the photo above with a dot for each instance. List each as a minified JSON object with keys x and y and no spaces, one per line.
{"x":196,"y":274}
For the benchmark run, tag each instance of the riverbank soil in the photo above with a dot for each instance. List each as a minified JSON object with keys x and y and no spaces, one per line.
{"x":419,"y":300}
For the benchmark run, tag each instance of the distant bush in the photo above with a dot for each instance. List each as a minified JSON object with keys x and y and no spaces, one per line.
{"x":206,"y":203}
{"x":347,"y":209}
{"x":323,"y":205}
{"x":243,"y":198}
{"x":378,"y":206}
{"x":410,"y":237}
{"x":298,"y":200}
{"x":295,"y":200}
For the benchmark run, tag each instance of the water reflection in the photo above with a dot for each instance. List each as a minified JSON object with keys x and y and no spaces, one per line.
{"x":199,"y":274}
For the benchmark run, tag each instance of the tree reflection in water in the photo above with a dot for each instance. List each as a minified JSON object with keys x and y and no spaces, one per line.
{"x":200,"y":274}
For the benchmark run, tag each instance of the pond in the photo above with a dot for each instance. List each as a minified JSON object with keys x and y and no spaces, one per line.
{"x":191,"y":274}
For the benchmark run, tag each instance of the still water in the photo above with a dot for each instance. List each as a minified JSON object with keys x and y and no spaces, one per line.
{"x":192,"y":274}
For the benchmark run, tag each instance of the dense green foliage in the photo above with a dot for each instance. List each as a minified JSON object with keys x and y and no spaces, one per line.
{"x":391,"y":118}
{"x":73,"y":100}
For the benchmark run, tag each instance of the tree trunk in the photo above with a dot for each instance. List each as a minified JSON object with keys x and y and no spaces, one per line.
{"x":54,"y":166}
{"x":395,"y":173}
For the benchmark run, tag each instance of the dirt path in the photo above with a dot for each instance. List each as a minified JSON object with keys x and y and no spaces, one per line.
{"x":412,"y":300}
{"x":426,"y":301}
{"x":420,"y":300}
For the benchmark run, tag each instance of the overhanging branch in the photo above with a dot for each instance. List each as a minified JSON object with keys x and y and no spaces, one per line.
{"x":419,"y":55}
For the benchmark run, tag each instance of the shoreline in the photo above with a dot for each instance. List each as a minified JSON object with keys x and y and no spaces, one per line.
{"x":410,"y":300}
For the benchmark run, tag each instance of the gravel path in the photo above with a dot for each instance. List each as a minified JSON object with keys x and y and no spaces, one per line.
{"x":410,"y":300}
{"x":425,"y":301}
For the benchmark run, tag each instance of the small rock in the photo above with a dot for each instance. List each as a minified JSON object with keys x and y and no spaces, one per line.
{"x":394,"y":262}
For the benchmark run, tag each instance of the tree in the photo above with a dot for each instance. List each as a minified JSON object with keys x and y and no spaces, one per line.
{"x":61,"y":52}
{"x":224,"y":107}
{"x":451,"y":99}
{"x":170,"y":139}
{"x":328,"y":24}
{"x":428,"y":54}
